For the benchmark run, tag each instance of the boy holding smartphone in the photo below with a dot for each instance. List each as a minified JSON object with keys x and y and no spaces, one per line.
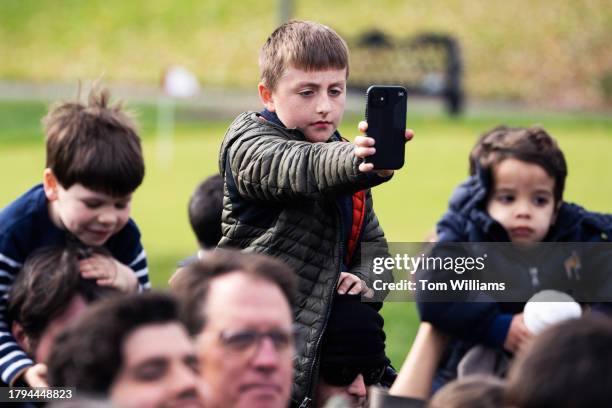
{"x":294,"y":189}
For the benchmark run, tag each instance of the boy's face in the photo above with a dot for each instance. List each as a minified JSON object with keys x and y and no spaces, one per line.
{"x":522,"y":200}
{"x":312,"y":101}
{"x":91,"y":216}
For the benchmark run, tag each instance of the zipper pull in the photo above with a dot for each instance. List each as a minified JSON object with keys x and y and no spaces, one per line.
{"x":305,"y":402}
{"x":535,"y":281}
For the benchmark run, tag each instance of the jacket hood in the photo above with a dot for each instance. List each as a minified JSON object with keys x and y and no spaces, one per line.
{"x":469,"y":202}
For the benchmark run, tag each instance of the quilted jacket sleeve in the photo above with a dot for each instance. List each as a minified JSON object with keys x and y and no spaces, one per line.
{"x":274,"y":168}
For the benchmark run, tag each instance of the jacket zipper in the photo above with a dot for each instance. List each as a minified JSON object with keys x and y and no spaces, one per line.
{"x":533,"y":272}
{"x":307,"y":400}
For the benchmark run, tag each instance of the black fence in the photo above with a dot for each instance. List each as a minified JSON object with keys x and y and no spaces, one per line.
{"x":428,"y":64}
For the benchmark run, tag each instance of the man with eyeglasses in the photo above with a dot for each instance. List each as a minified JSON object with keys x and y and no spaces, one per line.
{"x":240,"y":304}
{"x":352,"y":353}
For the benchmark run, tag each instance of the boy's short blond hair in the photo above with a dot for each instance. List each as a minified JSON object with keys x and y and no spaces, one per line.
{"x":304,"y":45}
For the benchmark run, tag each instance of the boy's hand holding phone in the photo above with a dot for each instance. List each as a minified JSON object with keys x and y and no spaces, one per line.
{"x":364,"y":147}
{"x":385,"y":114}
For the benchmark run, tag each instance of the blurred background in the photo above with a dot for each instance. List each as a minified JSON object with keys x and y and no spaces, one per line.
{"x":520,"y":63}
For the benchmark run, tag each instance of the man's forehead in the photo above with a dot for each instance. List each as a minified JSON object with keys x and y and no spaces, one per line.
{"x":239,"y":296}
{"x":151,"y":340}
{"x":239,"y":282}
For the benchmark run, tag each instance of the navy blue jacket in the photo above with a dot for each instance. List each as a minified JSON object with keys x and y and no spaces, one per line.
{"x":466,"y":220}
{"x":25,"y":225}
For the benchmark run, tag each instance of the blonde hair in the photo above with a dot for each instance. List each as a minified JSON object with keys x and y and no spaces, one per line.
{"x":304,"y":45}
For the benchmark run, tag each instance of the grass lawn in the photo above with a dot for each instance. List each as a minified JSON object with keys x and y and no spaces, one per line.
{"x":521,"y":49}
{"x":407,"y":207}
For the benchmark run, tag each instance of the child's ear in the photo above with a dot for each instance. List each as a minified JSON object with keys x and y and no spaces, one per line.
{"x":50,"y":184}
{"x":265,"y":94}
{"x":20,"y":336}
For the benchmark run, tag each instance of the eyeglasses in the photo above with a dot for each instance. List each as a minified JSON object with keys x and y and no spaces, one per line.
{"x":341,"y":376}
{"x":247,"y":341}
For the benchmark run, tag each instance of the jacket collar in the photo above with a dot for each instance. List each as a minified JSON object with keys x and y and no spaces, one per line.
{"x":273,"y":118}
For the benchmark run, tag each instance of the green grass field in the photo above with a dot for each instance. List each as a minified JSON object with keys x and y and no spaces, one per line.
{"x":408,"y":206}
{"x":551,"y":51}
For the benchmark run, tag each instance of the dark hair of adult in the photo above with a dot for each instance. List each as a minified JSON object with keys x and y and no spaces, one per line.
{"x":94,"y":144}
{"x":191,"y":286}
{"x":45,"y":286}
{"x":531,"y":145}
{"x":88,"y":355}
{"x":567,"y":365}
{"x":205,"y":207}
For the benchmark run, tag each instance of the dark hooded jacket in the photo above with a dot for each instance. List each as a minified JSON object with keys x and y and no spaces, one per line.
{"x":466,"y":220}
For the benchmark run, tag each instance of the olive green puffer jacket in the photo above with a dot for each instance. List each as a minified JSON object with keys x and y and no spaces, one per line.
{"x":279,"y":200}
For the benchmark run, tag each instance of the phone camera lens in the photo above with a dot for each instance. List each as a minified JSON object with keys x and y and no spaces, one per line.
{"x":379,"y":98}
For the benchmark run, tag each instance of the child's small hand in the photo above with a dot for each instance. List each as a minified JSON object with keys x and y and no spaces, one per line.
{"x":351,"y":284}
{"x":518,"y":334}
{"x":36,"y":376}
{"x":364,"y":147}
{"x":108,"y":271}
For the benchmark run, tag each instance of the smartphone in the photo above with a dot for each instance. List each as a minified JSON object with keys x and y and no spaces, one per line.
{"x":386,"y":117}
